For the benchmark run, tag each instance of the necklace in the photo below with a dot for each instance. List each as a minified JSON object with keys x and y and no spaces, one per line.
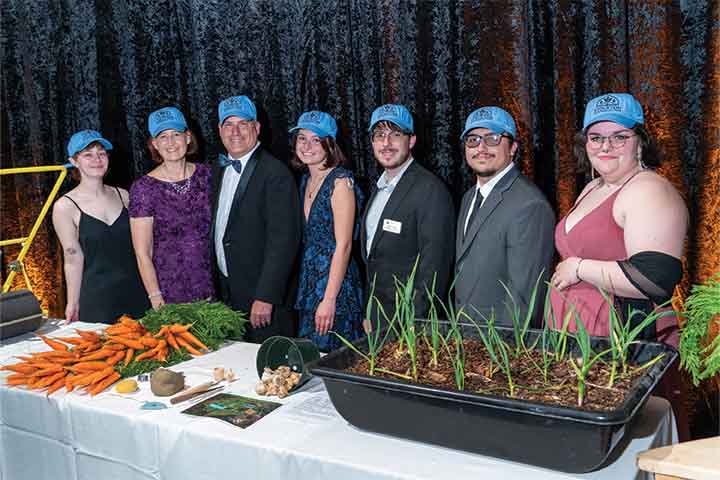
{"x":314,"y":185}
{"x":181,"y":187}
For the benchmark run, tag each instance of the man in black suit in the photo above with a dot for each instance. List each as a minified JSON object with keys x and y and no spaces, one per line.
{"x":409,"y":214}
{"x":257,"y":225}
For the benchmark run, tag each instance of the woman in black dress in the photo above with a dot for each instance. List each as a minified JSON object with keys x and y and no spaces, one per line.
{"x":93,"y":226}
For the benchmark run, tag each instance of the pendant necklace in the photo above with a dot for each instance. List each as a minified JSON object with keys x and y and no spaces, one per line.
{"x":313,"y":190}
{"x":181,"y":187}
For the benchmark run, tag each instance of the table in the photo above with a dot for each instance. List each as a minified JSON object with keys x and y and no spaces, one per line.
{"x":696,"y":460}
{"x":75,"y":437}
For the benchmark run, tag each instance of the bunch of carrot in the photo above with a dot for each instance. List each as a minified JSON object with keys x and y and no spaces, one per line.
{"x":91,"y":359}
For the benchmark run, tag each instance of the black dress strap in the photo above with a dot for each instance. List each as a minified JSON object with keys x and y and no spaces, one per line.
{"x":74,"y":203}
{"x":121,"y":199}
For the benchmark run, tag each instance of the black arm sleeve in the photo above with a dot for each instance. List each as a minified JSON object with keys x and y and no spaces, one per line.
{"x":655,"y":274}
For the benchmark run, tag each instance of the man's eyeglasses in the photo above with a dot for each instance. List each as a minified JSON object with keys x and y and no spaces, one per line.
{"x":314,"y":141}
{"x":490,"y":140}
{"x":616,"y":140}
{"x":381,"y":135}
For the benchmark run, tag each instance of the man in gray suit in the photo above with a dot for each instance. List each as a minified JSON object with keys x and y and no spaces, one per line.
{"x":505,"y":227}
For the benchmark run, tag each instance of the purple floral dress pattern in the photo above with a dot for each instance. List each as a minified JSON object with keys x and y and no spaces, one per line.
{"x":181,"y":233}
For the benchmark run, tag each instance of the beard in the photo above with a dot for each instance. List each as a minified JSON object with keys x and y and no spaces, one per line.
{"x":486,"y":173}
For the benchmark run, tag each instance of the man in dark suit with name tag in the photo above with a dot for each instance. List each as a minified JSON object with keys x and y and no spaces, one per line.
{"x":409,"y":214}
{"x":256,"y":225}
{"x":505,"y":227}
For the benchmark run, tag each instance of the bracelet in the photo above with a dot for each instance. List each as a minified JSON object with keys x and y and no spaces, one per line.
{"x":577,"y":269}
{"x":155,"y":294}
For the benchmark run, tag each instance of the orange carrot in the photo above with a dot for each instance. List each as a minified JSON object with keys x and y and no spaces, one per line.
{"x":148,"y":341}
{"x":98,"y":376}
{"x":20,"y":368}
{"x":144,"y":355}
{"x":49,"y":380}
{"x":128,"y":356}
{"x":71,"y":340}
{"x":112,"y":378}
{"x":92,"y":366}
{"x":193,"y":339}
{"x":48,"y":371}
{"x":172,"y":341}
{"x":68,"y":383}
{"x":99,"y":355}
{"x":162,"y":355}
{"x":115,"y":346}
{"x":16,"y":380}
{"x":88,"y":335}
{"x":116,"y":358}
{"x":127,"y":341}
{"x":187,"y":346}
{"x":163,"y":330}
{"x":54,"y":344}
{"x":56,"y":386}
{"x":178,"y":328}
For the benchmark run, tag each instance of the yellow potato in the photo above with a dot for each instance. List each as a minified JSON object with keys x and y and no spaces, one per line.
{"x":126,"y":386}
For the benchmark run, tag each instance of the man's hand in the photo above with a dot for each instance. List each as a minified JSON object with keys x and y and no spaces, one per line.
{"x":260,"y":314}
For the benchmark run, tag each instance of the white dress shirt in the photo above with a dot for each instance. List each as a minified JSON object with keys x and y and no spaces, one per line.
{"x":229,"y":184}
{"x":385,"y":189}
{"x":485,"y":190}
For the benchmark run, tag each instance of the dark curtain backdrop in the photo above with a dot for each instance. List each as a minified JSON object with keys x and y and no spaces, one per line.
{"x":106,"y":64}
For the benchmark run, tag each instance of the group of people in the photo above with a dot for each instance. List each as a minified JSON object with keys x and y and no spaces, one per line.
{"x":241,"y":229}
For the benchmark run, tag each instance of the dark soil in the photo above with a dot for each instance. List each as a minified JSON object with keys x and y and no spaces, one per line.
{"x":561,"y":388}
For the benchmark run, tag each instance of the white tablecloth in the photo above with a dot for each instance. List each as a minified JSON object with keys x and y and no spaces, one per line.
{"x":72,"y":436}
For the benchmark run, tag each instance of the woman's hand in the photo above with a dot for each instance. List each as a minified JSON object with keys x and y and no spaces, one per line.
{"x":72,"y":312}
{"x":325,"y":316}
{"x":566,"y":273}
{"x":157,"y":301}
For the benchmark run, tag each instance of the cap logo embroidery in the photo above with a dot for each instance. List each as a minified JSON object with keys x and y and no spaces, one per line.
{"x":313,"y":117}
{"x":482,"y":114}
{"x":609,"y":103}
{"x":87,"y":135}
{"x":389,"y":110}
{"x":163,"y":116}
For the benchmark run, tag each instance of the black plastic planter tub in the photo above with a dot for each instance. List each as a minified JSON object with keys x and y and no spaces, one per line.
{"x":558,"y":438}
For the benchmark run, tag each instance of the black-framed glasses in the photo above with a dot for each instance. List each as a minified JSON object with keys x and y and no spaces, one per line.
{"x":616,"y":140}
{"x":489,"y":139}
{"x":381,"y":135}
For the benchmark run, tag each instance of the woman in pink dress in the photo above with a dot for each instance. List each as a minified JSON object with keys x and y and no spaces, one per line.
{"x":625,"y":233}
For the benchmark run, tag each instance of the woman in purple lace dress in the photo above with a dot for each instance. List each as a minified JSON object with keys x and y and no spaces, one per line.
{"x":171,"y":214}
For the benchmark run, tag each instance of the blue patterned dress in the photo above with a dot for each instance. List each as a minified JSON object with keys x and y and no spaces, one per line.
{"x":318,"y":249}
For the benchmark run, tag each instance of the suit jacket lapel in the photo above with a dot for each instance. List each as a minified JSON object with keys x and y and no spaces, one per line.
{"x":242,"y":187}
{"x":396,"y":199}
{"x":464,"y":207}
{"x":489,"y":205}
{"x":217,"y":176}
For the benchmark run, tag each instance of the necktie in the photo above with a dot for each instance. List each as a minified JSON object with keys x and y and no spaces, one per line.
{"x":473,"y":214}
{"x":225,"y":161}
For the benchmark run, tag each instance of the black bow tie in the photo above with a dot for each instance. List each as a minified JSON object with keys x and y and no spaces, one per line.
{"x":226,"y":161}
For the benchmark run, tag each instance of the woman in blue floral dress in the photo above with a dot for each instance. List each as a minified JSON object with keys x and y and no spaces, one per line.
{"x":330,"y":297}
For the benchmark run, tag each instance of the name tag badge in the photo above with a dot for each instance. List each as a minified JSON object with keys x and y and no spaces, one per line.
{"x":392,"y":226}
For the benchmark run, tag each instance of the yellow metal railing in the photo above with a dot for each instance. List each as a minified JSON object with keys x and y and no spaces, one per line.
{"x":16,"y":265}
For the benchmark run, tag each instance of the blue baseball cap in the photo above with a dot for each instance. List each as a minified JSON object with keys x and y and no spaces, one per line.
{"x":165,"y":119}
{"x":320,"y":123}
{"x":83,"y":138}
{"x":492,"y":118}
{"x":620,"y":108}
{"x":397,"y":114}
{"x":240,"y":106}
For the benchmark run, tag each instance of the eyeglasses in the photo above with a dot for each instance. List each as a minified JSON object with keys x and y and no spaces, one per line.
{"x":381,"y":135}
{"x":490,"y":140}
{"x":314,"y":141}
{"x":616,"y":140}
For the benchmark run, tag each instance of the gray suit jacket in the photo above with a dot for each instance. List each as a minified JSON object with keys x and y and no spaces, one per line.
{"x":511,"y":240}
